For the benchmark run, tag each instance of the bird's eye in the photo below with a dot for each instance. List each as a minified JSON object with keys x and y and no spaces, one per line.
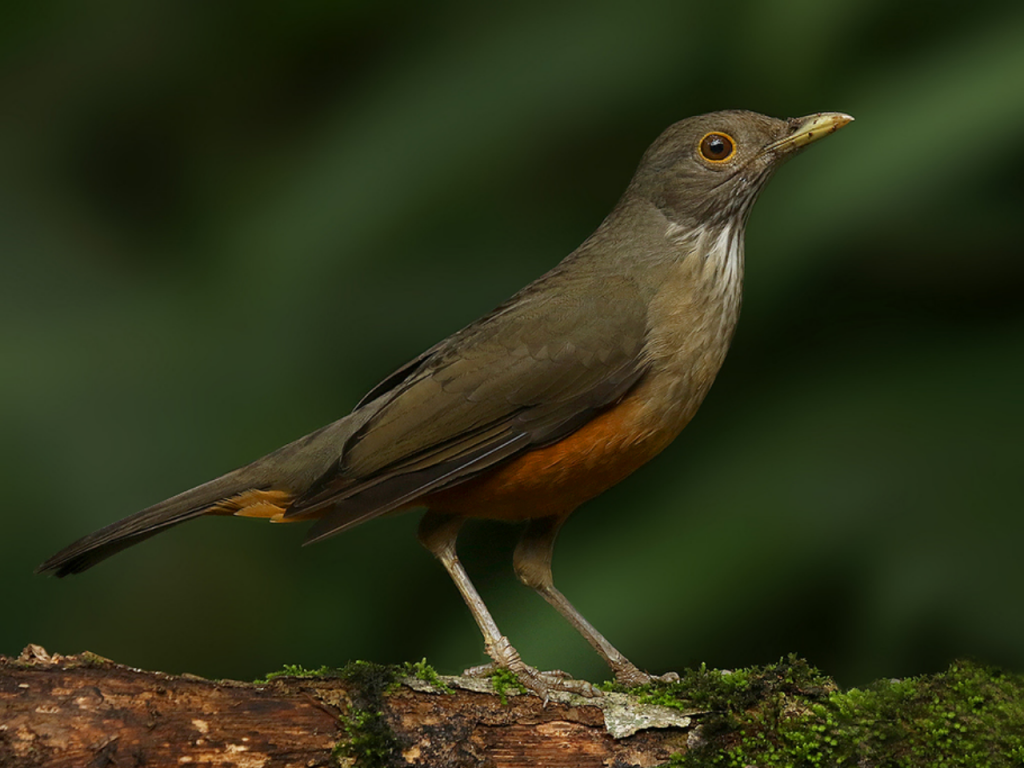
{"x":717,"y":147}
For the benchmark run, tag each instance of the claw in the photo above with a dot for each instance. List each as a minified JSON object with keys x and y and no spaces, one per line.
{"x":482,"y":670}
{"x":633,"y":677}
{"x":541,"y":683}
{"x":545,"y":683}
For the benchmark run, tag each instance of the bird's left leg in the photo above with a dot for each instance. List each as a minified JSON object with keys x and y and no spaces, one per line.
{"x":532,"y":561}
{"x":438,"y":533}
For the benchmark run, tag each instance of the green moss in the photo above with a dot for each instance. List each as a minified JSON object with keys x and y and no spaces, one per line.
{"x":296,"y":670}
{"x":504,"y":680}
{"x":423,"y":671}
{"x":86,"y":660}
{"x":724,"y":691}
{"x":788,"y":714}
{"x":371,"y":741}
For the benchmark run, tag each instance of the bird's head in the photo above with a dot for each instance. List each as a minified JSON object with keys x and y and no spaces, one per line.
{"x":709,"y":169}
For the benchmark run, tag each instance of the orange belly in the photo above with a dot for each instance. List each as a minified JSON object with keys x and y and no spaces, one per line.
{"x":558,"y":478}
{"x":553,"y":480}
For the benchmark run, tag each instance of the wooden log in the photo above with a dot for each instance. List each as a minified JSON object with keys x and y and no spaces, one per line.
{"x":87,"y":711}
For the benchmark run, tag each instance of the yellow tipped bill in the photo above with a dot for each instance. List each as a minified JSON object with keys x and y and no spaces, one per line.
{"x":808,"y":129}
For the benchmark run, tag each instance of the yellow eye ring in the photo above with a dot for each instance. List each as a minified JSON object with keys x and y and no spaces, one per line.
{"x":717,"y":147}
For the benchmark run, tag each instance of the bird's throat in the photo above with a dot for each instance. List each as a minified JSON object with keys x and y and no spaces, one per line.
{"x":695,"y":313}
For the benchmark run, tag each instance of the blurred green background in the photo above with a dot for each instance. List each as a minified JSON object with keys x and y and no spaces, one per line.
{"x":221,"y":223}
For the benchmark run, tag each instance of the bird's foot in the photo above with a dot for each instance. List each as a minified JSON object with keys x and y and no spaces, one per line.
{"x":541,"y":683}
{"x":628,"y":674}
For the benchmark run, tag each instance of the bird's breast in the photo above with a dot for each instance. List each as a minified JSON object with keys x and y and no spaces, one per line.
{"x":691,"y":321}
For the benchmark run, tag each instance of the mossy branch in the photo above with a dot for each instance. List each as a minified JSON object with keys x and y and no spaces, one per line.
{"x":85,"y":710}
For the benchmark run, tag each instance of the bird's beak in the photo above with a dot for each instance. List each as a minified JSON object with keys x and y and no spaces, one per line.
{"x":808,"y":129}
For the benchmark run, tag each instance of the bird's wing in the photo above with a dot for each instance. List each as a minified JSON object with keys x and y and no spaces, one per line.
{"x":532,"y":372}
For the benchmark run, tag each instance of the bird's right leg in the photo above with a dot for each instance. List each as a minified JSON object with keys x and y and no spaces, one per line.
{"x":532,"y":561}
{"x":438,"y":532}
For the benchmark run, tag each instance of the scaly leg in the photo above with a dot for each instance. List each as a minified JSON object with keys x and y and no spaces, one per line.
{"x":438,"y":532}
{"x":532,"y":562}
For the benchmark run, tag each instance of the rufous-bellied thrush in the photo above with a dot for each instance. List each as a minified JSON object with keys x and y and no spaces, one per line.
{"x":549,"y":400}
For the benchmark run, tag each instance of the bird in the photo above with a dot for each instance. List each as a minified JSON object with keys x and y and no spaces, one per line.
{"x":558,"y":394}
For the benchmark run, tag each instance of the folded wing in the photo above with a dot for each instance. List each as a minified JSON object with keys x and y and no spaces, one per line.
{"x":529,"y":374}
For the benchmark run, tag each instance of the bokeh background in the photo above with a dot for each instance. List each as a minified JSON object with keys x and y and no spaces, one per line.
{"x":220,"y":223}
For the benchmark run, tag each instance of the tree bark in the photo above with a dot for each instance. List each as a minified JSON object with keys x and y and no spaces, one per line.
{"x":87,"y":711}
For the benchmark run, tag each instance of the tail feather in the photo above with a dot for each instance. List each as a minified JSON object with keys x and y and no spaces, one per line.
{"x":263,"y":488}
{"x":101,"y":544}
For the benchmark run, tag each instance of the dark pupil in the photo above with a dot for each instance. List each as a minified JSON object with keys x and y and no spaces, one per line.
{"x":716,"y":146}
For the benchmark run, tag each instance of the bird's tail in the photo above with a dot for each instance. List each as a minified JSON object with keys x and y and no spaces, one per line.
{"x":232,"y":493}
{"x":264,"y":488}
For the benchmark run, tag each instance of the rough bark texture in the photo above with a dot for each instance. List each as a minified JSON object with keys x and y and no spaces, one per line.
{"x":87,"y":711}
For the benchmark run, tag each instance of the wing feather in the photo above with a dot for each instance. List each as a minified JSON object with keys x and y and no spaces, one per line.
{"x":529,"y":374}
